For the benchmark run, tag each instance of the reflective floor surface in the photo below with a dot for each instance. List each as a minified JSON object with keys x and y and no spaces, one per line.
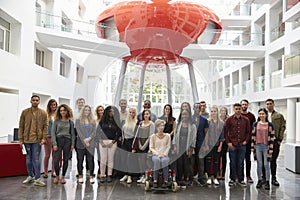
{"x":12,"y":188}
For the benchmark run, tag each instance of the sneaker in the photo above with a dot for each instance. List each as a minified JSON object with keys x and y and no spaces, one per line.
{"x":109,"y":180}
{"x":80,"y":180}
{"x":183,"y":185}
{"x":164,"y":185}
{"x":144,"y":180}
{"x":231,"y":183}
{"x":267,"y":185}
{"x":29,"y":179}
{"x":39,"y":182}
{"x":249,"y":179}
{"x":102,"y":179}
{"x":275,"y":182}
{"x":208,"y":181}
{"x":259,"y":184}
{"x":141,"y":179}
{"x":216,"y":182}
{"x":124,"y":178}
{"x":129,"y":180}
{"x":92,"y":180}
{"x":242,"y":183}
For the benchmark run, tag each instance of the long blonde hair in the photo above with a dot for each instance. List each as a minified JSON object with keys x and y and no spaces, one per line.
{"x":90,"y":117}
{"x":218,"y":117}
{"x":130,"y":123}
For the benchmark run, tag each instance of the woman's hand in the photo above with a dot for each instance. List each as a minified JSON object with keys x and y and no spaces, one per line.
{"x":72,"y":147}
{"x":55,"y":148}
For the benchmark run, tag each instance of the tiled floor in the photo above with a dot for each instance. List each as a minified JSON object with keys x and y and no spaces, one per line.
{"x":12,"y":188}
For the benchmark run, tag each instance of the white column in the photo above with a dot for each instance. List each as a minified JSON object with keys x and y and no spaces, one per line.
{"x":291,"y":122}
{"x":297,"y":111}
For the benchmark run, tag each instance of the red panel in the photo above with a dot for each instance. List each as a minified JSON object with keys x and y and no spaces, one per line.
{"x":13,"y":162}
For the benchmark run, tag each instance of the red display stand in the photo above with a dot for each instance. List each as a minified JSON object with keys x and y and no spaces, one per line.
{"x":13,"y":162}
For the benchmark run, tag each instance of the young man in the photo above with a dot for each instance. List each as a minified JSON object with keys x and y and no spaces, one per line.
{"x":251,"y":118}
{"x":203,"y":111}
{"x":33,"y":127}
{"x":279,"y":123}
{"x":123,"y":110}
{"x":236,"y":134}
{"x":147,"y":106}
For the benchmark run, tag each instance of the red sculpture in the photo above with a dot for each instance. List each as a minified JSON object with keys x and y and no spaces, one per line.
{"x":157,"y":31}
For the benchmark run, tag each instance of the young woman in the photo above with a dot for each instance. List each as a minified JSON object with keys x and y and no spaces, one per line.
{"x":184,"y":143}
{"x":160,"y":144}
{"x":51,"y":108}
{"x":63,"y":139}
{"x":108,"y":132}
{"x":86,"y":133}
{"x":141,"y":141}
{"x":262,"y":143}
{"x":127,"y":138}
{"x":99,"y":113}
{"x":213,"y":141}
{"x":223,"y":153}
{"x":170,"y":123}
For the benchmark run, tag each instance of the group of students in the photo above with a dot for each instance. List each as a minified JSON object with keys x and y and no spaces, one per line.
{"x":195,"y":143}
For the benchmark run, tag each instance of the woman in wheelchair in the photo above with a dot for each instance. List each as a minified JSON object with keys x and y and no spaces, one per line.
{"x":159,"y":147}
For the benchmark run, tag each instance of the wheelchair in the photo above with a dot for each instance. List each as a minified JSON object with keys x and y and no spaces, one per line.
{"x":172,"y":184}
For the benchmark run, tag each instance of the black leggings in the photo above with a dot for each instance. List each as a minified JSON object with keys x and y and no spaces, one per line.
{"x":64,"y":145}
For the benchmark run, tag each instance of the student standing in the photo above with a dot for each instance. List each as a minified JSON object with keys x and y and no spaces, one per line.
{"x":63,"y":139}
{"x":33,"y":127}
{"x":86,"y":133}
{"x":262,"y":145}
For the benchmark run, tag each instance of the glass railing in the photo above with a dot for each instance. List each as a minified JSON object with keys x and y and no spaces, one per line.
{"x":291,"y":65}
{"x":227,"y":92}
{"x":235,"y":90}
{"x":277,"y":32}
{"x":276,"y":79}
{"x":246,"y":87}
{"x":60,"y":23}
{"x":259,"y":84}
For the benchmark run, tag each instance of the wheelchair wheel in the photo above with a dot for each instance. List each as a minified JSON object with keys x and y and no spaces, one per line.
{"x":147,"y":186}
{"x":174,"y":186}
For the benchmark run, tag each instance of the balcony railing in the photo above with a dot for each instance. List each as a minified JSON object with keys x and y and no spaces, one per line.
{"x":291,"y":65}
{"x":277,"y":32}
{"x":61,"y":23}
{"x":235,"y":90}
{"x":276,"y":79}
{"x":227,"y":92}
{"x":246,"y":87}
{"x":259,"y":84}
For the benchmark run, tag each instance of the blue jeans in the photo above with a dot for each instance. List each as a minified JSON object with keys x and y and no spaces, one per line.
{"x":160,"y":163}
{"x":237,"y":156}
{"x":33,"y":158}
{"x":261,"y":155}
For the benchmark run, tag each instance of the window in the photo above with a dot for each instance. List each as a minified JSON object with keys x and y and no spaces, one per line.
{"x":4,"y":34}
{"x":62,"y":67}
{"x":40,"y":57}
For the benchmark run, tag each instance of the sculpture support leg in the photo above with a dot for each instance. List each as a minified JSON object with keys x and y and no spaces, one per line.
{"x":120,"y":83}
{"x":141,"y":88}
{"x":169,"y":85}
{"x":193,"y":83}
